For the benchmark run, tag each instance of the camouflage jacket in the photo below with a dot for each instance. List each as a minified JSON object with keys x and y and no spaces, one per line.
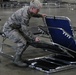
{"x":20,"y":17}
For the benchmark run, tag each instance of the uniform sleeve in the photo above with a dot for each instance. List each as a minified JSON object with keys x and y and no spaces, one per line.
{"x":27,"y":33}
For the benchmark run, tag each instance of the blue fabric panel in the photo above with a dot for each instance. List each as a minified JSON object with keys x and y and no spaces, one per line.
{"x":61,"y":23}
{"x":63,"y":37}
{"x":59,"y":37}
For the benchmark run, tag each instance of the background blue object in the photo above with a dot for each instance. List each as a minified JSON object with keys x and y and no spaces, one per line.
{"x":57,"y":34}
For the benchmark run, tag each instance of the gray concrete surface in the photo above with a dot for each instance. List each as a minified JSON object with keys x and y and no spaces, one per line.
{"x":7,"y":67}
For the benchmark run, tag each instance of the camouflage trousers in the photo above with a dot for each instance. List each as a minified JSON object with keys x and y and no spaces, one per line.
{"x":21,"y":42}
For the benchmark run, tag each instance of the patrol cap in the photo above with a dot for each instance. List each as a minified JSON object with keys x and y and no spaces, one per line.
{"x":36,"y":3}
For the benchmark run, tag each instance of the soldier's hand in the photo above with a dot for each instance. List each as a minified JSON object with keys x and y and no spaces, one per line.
{"x":37,"y":39}
{"x":43,"y":15}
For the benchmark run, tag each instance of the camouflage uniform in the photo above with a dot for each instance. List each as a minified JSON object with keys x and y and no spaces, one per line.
{"x":20,"y":17}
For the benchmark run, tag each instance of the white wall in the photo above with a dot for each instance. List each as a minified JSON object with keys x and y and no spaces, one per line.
{"x":42,"y":0}
{"x":23,"y":0}
{"x":69,"y":0}
{"x":20,"y":0}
